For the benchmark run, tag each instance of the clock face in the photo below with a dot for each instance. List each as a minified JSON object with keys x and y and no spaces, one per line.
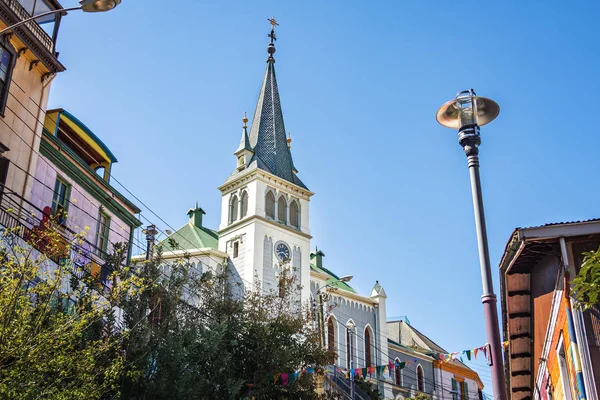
{"x":282,"y":251}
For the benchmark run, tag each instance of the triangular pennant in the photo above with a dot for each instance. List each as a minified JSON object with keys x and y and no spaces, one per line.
{"x":484,"y":349}
{"x":364,"y":372}
{"x":284,"y":379}
{"x":401,"y":365}
{"x":292,"y":378}
{"x":468,"y":353}
{"x":310,"y":370}
{"x":379,"y":369}
{"x":475,"y":353}
{"x":391,"y":366}
{"x":461,"y":359}
{"x":275,"y":378}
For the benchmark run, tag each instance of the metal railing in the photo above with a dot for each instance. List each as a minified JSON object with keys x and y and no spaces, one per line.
{"x":37,"y":31}
{"x":24,"y":222}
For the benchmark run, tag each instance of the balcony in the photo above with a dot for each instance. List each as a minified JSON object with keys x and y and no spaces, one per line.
{"x":40,"y":35}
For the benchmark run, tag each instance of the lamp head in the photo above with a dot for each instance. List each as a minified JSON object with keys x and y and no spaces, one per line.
{"x":98,"y":5}
{"x":467,"y":109}
{"x":350,"y":325}
{"x":346,"y":278}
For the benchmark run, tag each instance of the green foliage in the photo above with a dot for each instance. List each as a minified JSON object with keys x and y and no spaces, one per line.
{"x":58,"y":332}
{"x":369,"y":389}
{"x":421,"y":396}
{"x":585,"y":288}
{"x":221,"y":342}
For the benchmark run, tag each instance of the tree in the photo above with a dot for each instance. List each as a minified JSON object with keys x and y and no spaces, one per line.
{"x":207,"y":338}
{"x":59,"y":332}
{"x":585,"y":287}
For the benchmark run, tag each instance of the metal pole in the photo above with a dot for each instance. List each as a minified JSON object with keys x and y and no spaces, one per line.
{"x":151,"y":233}
{"x":351,"y":355}
{"x":321,"y":320}
{"x":470,"y":140}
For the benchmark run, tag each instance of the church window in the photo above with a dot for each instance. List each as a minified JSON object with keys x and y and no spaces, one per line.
{"x":270,"y":205}
{"x":331,"y":334}
{"x":236,"y":249}
{"x":282,"y":210}
{"x":233,"y":209}
{"x":244,"y":204}
{"x":294,"y":214}
{"x":367,"y":347}
{"x":420,"y":386}
{"x":398,"y":372}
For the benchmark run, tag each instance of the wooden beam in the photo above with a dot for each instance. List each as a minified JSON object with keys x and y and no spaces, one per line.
{"x":520,"y":373}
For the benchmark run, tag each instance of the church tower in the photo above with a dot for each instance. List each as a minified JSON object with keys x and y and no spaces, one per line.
{"x":264,"y":209}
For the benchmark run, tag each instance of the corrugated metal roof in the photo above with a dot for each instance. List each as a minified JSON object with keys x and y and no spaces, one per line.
{"x":561,"y":223}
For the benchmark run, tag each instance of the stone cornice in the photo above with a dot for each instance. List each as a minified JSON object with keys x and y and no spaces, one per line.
{"x":248,"y":220}
{"x":29,"y":39}
{"x":267,"y":178}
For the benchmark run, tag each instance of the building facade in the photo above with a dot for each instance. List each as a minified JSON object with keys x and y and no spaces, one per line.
{"x":28,"y":64}
{"x":553,"y":347}
{"x":72,"y":185}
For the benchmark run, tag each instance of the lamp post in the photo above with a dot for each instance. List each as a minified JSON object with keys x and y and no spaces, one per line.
{"x":350,"y":326}
{"x":321,"y":314}
{"x":467,"y":112}
{"x":90,"y":6}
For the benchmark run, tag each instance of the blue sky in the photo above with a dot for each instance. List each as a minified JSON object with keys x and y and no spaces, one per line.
{"x":166,"y":87}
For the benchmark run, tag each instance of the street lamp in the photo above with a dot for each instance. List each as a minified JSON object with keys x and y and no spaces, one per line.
{"x":467,"y":112}
{"x":90,"y":6}
{"x":350,"y":326}
{"x":345,"y":278}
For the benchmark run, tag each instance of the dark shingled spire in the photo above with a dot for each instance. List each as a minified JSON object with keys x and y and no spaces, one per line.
{"x":267,"y":134}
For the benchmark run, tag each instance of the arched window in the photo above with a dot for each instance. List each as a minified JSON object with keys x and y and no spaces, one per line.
{"x":420,"y":387}
{"x":331,"y":334}
{"x":348,"y":348}
{"x":270,"y":205}
{"x":294,"y":214}
{"x":244,"y":204}
{"x":282,"y":209}
{"x":368,"y":345}
{"x":398,"y":372}
{"x":233,"y":208}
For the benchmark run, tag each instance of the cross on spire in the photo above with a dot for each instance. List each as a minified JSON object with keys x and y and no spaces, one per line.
{"x":273,"y":23}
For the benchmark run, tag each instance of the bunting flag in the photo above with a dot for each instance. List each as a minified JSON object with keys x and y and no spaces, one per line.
{"x":391,"y":366}
{"x":475,"y":353}
{"x":284,"y":379}
{"x":468,"y":354}
{"x":484,"y":349}
{"x":379,"y":369}
{"x":364,"y":372}
{"x":371,"y":371}
{"x":275,"y":378}
{"x":401,"y":365}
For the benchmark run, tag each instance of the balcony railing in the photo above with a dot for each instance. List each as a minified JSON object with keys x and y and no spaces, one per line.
{"x":24,"y":222}
{"x":37,"y":31}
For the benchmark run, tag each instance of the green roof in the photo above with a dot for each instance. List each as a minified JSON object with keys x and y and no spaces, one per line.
{"x":191,"y":237}
{"x":331,"y":281}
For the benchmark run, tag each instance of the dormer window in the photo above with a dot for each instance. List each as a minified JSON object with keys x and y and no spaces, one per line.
{"x":241,"y":162}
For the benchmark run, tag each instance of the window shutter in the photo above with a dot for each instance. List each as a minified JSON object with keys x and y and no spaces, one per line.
{"x":466,"y":390}
{"x":454,"y":390}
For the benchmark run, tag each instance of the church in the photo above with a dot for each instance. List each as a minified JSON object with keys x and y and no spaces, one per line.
{"x":265,"y":226}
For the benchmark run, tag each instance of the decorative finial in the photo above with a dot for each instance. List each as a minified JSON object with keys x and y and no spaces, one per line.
{"x":271,"y":48}
{"x":245,"y":120}
{"x":289,"y":140}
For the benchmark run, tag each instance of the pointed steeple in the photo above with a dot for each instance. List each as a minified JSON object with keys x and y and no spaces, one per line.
{"x":245,"y":140}
{"x":268,"y":135}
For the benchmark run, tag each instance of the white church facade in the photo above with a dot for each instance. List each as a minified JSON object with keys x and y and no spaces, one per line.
{"x":265,"y":226}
